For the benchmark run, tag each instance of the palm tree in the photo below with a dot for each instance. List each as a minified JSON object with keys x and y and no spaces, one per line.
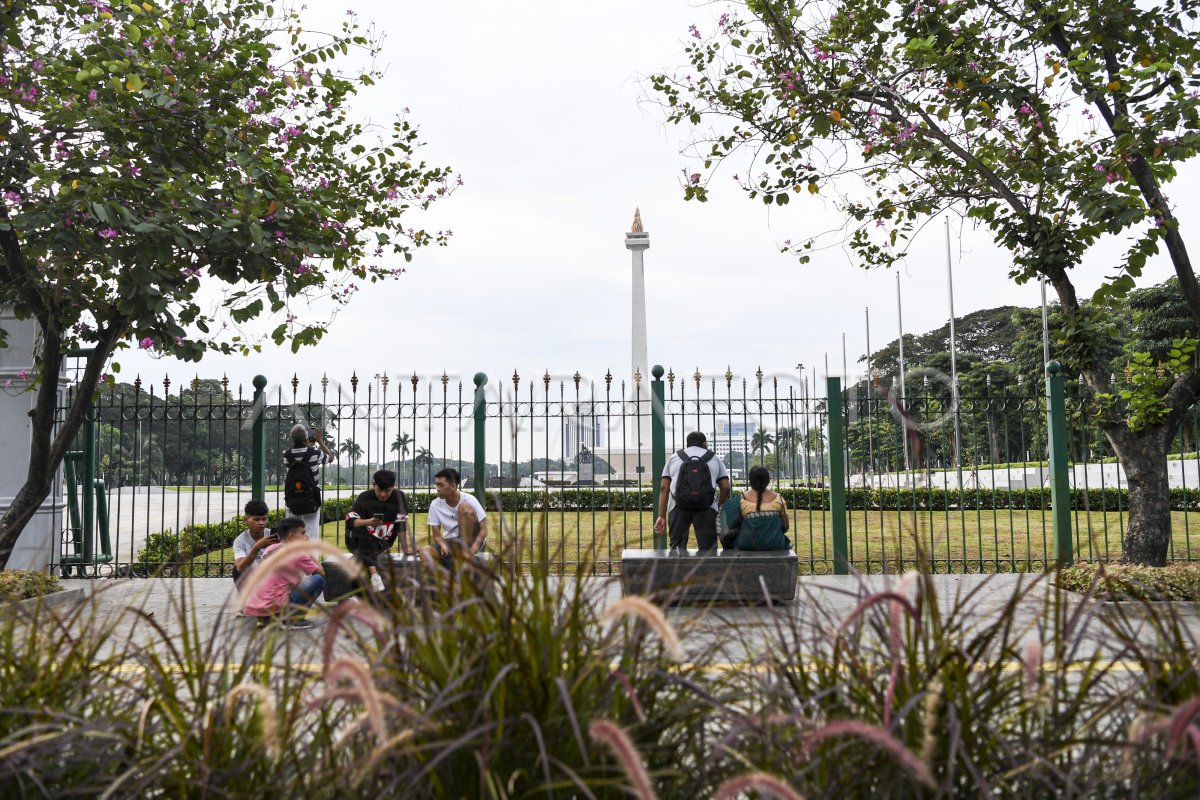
{"x":761,"y":442}
{"x":352,"y":449}
{"x":425,"y":457}
{"x":402,"y":445}
{"x":787,"y":441}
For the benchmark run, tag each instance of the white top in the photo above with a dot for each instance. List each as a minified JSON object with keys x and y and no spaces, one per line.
{"x":716,"y":468}
{"x":444,"y":515}
{"x":242,"y":546}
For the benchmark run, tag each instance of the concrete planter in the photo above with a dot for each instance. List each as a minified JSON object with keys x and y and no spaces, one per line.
{"x":53,"y":600}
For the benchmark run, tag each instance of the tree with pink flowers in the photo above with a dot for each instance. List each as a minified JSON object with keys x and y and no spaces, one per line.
{"x":175,"y":173}
{"x":1052,"y":124}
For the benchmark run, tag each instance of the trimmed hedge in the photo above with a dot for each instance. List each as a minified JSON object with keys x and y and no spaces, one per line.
{"x":167,"y":547}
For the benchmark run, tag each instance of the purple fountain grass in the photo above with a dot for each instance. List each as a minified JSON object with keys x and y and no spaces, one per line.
{"x":623,"y":679}
{"x":653,"y":617}
{"x":279,"y":558}
{"x":266,"y":702}
{"x":1033,"y":667}
{"x":611,"y":734}
{"x":759,"y":782}
{"x":877,"y":736}
{"x":359,"y":677}
{"x":877,"y":597}
{"x":1181,"y":725}
{"x":359,"y":611}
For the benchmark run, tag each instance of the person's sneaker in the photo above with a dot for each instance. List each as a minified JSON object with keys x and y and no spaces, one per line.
{"x":377,"y":582}
{"x":677,"y":551}
{"x":297,"y":622}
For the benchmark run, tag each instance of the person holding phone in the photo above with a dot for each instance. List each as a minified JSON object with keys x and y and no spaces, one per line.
{"x":248,"y":547}
{"x":378,"y":517}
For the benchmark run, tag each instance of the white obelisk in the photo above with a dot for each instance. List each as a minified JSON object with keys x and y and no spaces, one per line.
{"x":636,"y":241}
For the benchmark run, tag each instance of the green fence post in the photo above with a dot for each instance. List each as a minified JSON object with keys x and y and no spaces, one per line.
{"x":87,"y":479}
{"x":258,"y":441}
{"x":658,"y":444}
{"x":1060,"y":485}
{"x":837,"y":476}
{"x":479,"y":413}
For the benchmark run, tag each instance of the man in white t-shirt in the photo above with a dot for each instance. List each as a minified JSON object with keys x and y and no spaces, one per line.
{"x":678,"y":514}
{"x":248,"y":547}
{"x":457,"y":521}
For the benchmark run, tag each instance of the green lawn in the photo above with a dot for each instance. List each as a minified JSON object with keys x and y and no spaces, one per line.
{"x":965,"y":541}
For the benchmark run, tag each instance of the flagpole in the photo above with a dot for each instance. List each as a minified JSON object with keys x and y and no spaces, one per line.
{"x":953,"y":360}
{"x":900,"y":325}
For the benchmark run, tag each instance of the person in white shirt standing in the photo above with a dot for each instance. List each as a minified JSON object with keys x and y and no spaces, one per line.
{"x":700,"y":484}
{"x":457,"y":521}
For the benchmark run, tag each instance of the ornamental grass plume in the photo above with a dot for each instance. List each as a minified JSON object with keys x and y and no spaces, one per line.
{"x":278,"y":559}
{"x":1033,"y":667}
{"x":877,"y":736}
{"x":610,"y":733}
{"x":759,"y":782}
{"x":359,"y":611}
{"x":652,"y":615}
{"x":266,"y":702}
{"x":363,"y":687}
{"x":1181,"y":725}
{"x":933,"y":702}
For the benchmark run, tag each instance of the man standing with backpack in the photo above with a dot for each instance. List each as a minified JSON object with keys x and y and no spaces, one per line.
{"x":694,"y":484}
{"x":301,"y":492}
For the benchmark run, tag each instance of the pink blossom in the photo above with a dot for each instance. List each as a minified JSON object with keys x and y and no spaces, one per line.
{"x":92,"y":96}
{"x":694,"y":31}
{"x":12,"y":197}
{"x":1024,"y":109}
{"x":146,"y":343}
{"x":108,"y":233}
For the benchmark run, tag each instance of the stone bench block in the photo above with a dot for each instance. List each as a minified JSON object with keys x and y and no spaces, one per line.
{"x":732,"y":575}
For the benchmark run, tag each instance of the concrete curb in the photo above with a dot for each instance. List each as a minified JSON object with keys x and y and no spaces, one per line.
{"x":53,"y":600}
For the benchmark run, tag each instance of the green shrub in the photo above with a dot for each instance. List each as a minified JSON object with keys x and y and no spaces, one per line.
{"x":22,"y":584}
{"x":1119,"y":582}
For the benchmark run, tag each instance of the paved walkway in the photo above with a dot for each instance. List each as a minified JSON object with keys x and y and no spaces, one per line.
{"x":161,"y":613}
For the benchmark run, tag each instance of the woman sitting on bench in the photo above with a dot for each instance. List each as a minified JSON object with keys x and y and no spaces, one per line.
{"x":756,"y":519}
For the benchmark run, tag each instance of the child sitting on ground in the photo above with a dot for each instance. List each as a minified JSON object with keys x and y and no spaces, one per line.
{"x":287,"y":584}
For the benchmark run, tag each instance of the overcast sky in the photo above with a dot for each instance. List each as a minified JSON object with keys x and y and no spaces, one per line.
{"x":541,"y":107}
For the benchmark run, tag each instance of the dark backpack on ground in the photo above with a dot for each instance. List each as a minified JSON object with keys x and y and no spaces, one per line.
{"x":694,"y":488}
{"x":300,"y":493}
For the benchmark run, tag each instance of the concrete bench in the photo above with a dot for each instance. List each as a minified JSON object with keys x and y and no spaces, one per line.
{"x":734,"y":575}
{"x":400,"y":571}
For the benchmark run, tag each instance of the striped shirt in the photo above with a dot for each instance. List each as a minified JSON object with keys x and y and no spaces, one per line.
{"x":310,"y":455}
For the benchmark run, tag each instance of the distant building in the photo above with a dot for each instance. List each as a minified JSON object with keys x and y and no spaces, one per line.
{"x":581,"y":429}
{"x":732,"y":436}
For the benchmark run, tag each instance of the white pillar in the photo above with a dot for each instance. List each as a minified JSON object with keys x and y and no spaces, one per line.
{"x":637,"y":241}
{"x":35,"y":547}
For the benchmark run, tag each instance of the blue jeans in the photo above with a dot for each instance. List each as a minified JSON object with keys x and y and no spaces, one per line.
{"x":307,"y":591}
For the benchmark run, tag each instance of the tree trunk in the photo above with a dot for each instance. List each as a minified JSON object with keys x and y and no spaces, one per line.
{"x":1143,"y":456}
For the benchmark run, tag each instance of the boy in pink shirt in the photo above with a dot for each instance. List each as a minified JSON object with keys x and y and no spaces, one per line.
{"x":299,"y":582}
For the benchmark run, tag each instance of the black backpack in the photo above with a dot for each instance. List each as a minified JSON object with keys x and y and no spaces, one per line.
{"x":694,"y":488}
{"x":300,"y":492}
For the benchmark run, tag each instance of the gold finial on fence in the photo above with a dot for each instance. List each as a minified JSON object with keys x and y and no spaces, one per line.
{"x":137,"y":383}
{"x":546,"y":380}
{"x":637,"y":376}
{"x":759,"y":374}
{"x":295,"y":383}
{"x":414,"y":380}
{"x":671,"y":378}
{"x":445,"y":380}
{"x":225,"y":383}
{"x":385,"y":380}
{"x":354,"y":382}
{"x":577,"y":377}
{"x":608,"y":380}
{"x":516,"y":379}
{"x":196,"y":384}
{"x":728,"y":376}
{"x":166,"y":385}
{"x":324,"y":382}
{"x":696,"y":377}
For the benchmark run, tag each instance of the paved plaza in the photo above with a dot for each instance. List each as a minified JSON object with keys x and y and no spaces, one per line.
{"x":150,"y":612}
